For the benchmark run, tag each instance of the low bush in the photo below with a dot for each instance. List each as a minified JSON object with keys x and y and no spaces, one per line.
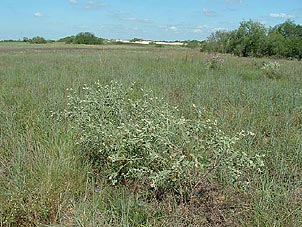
{"x":215,"y":62}
{"x":87,"y":38}
{"x":142,"y":138}
{"x":38,"y":40}
{"x":271,"y":70}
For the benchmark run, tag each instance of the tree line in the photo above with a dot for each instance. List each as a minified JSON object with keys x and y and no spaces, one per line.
{"x":80,"y":38}
{"x":253,"y":39}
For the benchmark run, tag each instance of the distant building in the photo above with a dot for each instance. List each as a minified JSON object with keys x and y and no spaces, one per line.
{"x":143,"y":42}
{"x":147,"y":42}
{"x":170,"y":43}
{"x":122,"y":41}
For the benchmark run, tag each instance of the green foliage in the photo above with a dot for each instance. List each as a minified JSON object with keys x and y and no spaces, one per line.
{"x":218,"y":42}
{"x":252,"y":39}
{"x":87,"y":38}
{"x":67,"y":40}
{"x":192,"y":44}
{"x":276,"y":45}
{"x":143,"y":138}
{"x":288,"y":29}
{"x":38,"y":40}
{"x":285,"y":40}
{"x":136,"y":39}
{"x":248,"y":39}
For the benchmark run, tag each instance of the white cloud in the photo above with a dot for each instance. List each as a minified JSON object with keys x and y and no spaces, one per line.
{"x":169,"y":28}
{"x":138,"y":20}
{"x":93,"y":5}
{"x":234,"y":1}
{"x":203,"y":29}
{"x":209,"y":13}
{"x":173,"y":28}
{"x":197,"y":30}
{"x":38,"y":14}
{"x":281,"y":15}
{"x":83,"y":27}
{"x":218,"y":29}
{"x":73,"y":1}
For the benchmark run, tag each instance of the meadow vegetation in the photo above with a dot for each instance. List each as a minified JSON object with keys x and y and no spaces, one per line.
{"x":117,"y":135}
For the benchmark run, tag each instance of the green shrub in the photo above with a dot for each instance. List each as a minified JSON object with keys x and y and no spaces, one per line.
{"x":87,"y":38}
{"x":145,"y":139}
{"x":67,"y":40}
{"x":192,"y":44}
{"x":38,"y":40}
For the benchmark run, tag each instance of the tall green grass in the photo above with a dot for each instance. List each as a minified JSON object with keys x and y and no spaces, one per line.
{"x":44,"y":179}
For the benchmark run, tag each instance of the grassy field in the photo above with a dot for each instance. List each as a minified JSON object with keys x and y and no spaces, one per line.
{"x":44,"y":181}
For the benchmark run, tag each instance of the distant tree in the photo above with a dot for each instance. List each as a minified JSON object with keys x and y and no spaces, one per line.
{"x":67,"y":40}
{"x":38,"y":40}
{"x":286,"y":40}
{"x":136,"y":39}
{"x":249,"y":39}
{"x":218,"y":42}
{"x":192,"y":44}
{"x":87,"y":38}
{"x":288,"y":29}
{"x":252,"y":39}
{"x":276,"y":45}
{"x":9,"y":40}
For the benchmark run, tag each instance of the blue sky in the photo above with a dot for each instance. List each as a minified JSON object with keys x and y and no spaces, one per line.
{"x":148,"y":19}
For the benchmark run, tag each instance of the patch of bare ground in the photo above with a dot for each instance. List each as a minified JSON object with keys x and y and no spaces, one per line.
{"x":207,"y":205}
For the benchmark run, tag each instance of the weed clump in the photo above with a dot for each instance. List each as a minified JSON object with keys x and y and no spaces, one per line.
{"x":271,"y":70}
{"x":144,"y":139}
{"x":215,"y":62}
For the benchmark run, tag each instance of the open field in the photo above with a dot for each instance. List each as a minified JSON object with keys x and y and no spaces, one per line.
{"x":44,"y":180}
